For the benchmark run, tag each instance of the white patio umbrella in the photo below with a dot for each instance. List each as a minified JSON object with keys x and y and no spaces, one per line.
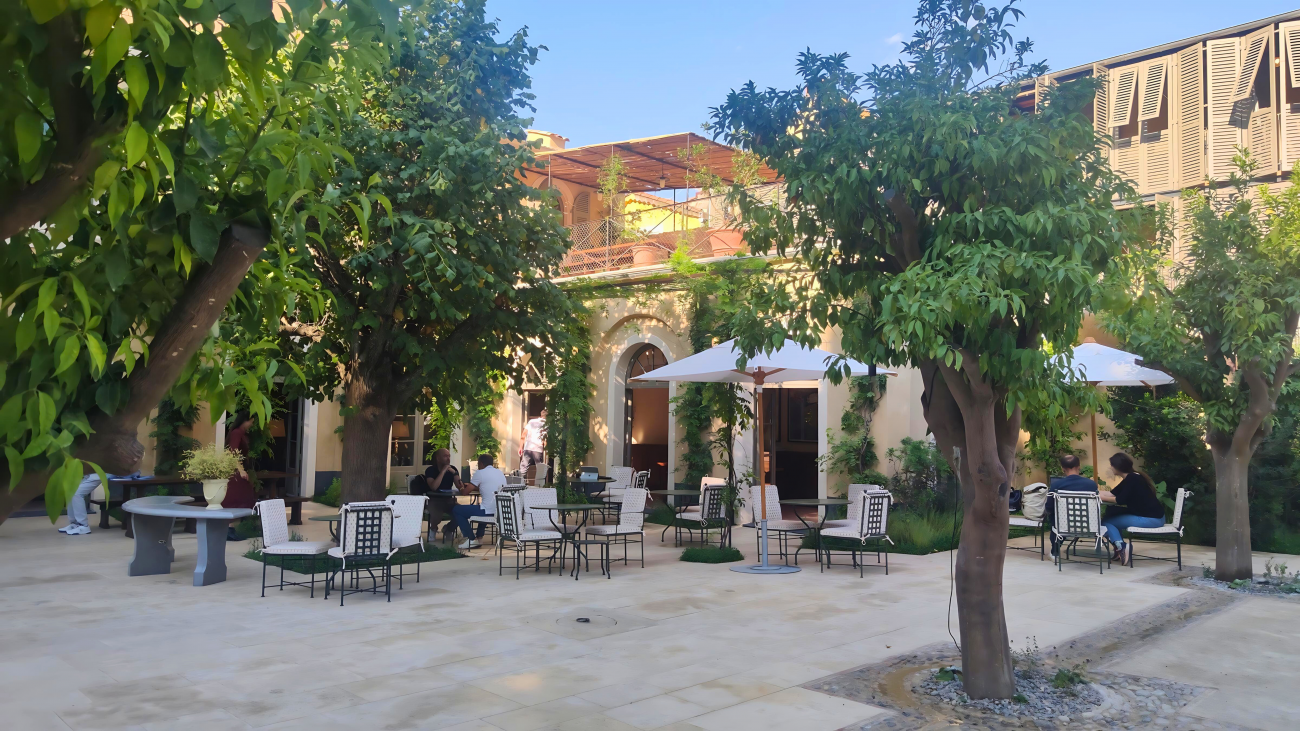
{"x":791,"y":362}
{"x":1100,"y":365}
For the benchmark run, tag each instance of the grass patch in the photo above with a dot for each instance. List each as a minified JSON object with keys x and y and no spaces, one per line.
{"x":661,"y":514}
{"x":323,"y":563}
{"x":712,"y":554}
{"x":916,"y":533}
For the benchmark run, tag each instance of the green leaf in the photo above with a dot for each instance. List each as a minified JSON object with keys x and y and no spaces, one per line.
{"x":205,"y":234}
{"x":209,"y":60}
{"x":275,"y":184}
{"x":105,"y":174}
{"x":15,"y":466}
{"x":11,"y":415}
{"x":98,"y":353}
{"x":185,"y":194}
{"x":80,"y":290}
{"x":46,"y":10}
{"x":137,"y":141}
{"x":111,"y":51}
{"x":49,"y":288}
{"x":137,"y":79}
{"x":25,"y":333}
{"x":99,"y":21}
{"x":37,"y":445}
{"x":29,"y":130}
{"x":116,"y":266}
{"x":165,"y":157}
{"x":71,"y":349}
{"x":51,"y":320}
{"x":47,"y":412}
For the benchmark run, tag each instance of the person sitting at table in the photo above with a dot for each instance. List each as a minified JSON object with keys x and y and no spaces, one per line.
{"x":78,"y":522}
{"x":1071,"y":481}
{"x":487,"y":480}
{"x":441,"y":482}
{"x":1132,"y":504}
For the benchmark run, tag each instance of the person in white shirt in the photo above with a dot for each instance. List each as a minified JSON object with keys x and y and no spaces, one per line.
{"x":78,"y":524}
{"x":487,"y":480}
{"x":533,"y":443}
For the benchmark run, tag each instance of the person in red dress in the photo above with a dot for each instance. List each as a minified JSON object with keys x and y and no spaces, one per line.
{"x":239,"y":490}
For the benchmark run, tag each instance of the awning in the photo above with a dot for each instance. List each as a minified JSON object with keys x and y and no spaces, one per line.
{"x":652,"y":163}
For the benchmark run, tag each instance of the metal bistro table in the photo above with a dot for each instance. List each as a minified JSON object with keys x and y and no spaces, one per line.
{"x":154,"y":518}
{"x":679,"y":509}
{"x":564,"y":509}
{"x":824,"y":502}
{"x":333,"y":520}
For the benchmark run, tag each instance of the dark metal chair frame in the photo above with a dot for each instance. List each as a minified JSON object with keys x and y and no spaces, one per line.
{"x":509,"y":518}
{"x":1077,"y":526}
{"x":369,"y":551}
{"x":713,"y":515}
{"x":874,"y":514}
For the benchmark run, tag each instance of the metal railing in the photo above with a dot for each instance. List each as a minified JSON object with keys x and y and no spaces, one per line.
{"x":705,"y":226}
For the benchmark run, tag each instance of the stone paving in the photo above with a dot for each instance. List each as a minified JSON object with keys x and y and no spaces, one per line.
{"x":673,"y":646}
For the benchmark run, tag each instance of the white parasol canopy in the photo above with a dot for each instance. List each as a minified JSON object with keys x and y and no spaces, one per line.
{"x":1103,"y":366}
{"x":1100,"y":365}
{"x":791,"y":362}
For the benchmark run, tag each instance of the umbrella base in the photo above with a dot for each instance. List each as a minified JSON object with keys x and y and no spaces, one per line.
{"x":761,"y":569}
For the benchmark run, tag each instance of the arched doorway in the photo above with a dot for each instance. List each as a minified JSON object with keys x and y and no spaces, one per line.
{"x":645,"y":417}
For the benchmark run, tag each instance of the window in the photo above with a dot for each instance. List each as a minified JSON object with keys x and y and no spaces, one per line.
{"x":582,"y":207}
{"x":403,"y":441}
{"x":801,"y":415}
{"x":647,"y":359}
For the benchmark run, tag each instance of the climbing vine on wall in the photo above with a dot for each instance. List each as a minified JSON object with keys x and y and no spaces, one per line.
{"x":568,"y":402}
{"x":854,"y":453}
{"x":481,"y":413}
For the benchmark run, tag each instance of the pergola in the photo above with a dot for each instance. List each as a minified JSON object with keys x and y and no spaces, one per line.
{"x":652,"y":163}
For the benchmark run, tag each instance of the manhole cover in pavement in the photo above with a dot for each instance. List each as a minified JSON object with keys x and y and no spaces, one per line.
{"x":594,"y":622}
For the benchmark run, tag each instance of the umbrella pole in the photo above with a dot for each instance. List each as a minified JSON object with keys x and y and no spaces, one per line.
{"x":763,"y":566}
{"x":1095,"y":474}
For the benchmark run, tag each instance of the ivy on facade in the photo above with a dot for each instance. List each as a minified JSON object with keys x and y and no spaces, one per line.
{"x":854,"y":453}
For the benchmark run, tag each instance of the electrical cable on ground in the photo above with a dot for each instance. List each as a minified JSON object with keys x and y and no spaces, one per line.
{"x":952,"y":544}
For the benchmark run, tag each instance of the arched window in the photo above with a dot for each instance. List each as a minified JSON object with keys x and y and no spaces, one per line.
{"x":647,"y":359}
{"x":582,"y":207}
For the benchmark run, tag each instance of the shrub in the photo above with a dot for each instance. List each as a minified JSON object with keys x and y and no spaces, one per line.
{"x":210,"y":463}
{"x":712,"y":554}
{"x":333,"y":496}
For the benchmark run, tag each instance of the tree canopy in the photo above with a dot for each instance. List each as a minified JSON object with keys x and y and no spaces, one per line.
{"x":944,"y":227}
{"x":146,"y":150}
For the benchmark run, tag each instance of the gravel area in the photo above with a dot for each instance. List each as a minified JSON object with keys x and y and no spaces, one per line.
{"x":1257,"y":587}
{"x":1038,"y":697}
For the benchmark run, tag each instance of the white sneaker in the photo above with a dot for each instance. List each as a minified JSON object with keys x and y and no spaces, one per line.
{"x":79,"y":530}
{"x":67,"y":528}
{"x":470,"y":544}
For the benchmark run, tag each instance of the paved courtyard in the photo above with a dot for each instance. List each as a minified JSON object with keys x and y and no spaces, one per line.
{"x":674,"y":646}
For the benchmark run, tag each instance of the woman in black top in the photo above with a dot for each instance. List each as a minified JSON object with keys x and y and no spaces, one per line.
{"x":1133,"y":504}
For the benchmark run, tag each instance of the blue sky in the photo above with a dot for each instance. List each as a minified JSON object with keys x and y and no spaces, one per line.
{"x":619,"y":70}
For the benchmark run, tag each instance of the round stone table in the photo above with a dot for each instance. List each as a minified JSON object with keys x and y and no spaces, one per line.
{"x":154,"y":518}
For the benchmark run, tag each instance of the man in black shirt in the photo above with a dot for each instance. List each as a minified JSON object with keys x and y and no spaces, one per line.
{"x":441,"y":482}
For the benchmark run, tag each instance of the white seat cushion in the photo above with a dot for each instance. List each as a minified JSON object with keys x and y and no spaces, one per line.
{"x":539,"y":535}
{"x":1162,"y":529}
{"x":841,"y":523}
{"x":692,"y":512}
{"x":298,"y":548}
{"x":483,"y":519}
{"x":1025,"y":522}
{"x":785,"y":525}
{"x":851,"y":533}
{"x":613,"y":530}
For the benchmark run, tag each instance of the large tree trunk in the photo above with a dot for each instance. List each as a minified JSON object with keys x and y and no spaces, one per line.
{"x":1232,"y":559}
{"x":977,"y":456}
{"x":371,"y":406}
{"x":113,"y":444}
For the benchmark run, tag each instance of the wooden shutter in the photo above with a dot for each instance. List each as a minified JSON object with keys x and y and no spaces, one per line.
{"x":1101,"y":101}
{"x":582,"y":207}
{"x":1290,"y":151}
{"x":1124,"y":86}
{"x":1153,"y":89}
{"x":1222,"y":68}
{"x":1262,"y":140}
{"x":1252,"y":47}
{"x":1187,"y":116}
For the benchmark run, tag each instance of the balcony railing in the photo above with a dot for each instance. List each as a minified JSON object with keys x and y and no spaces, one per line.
{"x":705,"y":225}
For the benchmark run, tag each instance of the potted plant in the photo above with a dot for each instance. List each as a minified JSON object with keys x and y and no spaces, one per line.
{"x":214,"y":468}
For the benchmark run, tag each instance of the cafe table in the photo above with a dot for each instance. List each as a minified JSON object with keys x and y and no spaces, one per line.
{"x":824,"y":502}
{"x":333,"y":520}
{"x":564,"y":509}
{"x":679,"y":509}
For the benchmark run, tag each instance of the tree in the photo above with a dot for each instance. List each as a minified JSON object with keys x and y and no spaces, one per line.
{"x":938,"y":226}
{"x":1220,"y":317}
{"x":435,"y":257}
{"x":146,"y":148}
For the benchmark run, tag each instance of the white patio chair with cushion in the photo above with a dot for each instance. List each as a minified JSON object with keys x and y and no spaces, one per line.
{"x":613,"y":492}
{"x":539,"y":472}
{"x":515,"y":528}
{"x":1162,"y":534}
{"x":408,"y":527}
{"x":693,"y":512}
{"x":365,"y":542}
{"x":712,"y":515}
{"x":854,"y":495}
{"x":872,"y":516}
{"x":275,"y":542}
{"x":776,"y":524}
{"x":1038,"y":525}
{"x":1078,"y":518}
{"x":631,"y":522}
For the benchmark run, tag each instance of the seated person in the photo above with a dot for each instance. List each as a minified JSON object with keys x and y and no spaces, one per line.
{"x":487,"y":480}
{"x":1132,"y":504}
{"x":1070,"y":481}
{"x":441,"y":482}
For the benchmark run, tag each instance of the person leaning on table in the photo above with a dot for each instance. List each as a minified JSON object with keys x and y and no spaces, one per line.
{"x":1071,"y":481}
{"x":487,"y":480}
{"x":1132,"y":504}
